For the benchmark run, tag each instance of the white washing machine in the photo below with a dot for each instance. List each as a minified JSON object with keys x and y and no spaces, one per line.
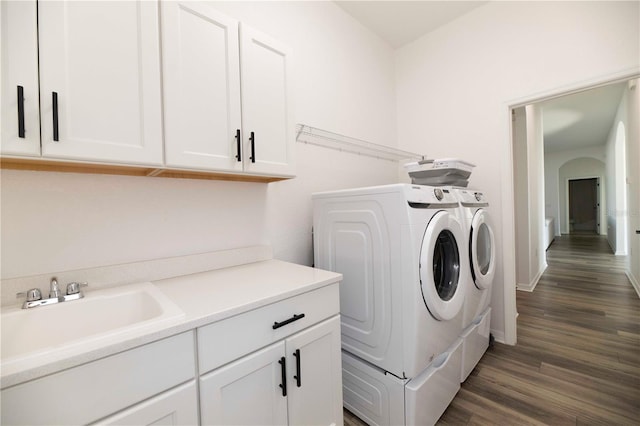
{"x":401,"y":252}
{"x":480,"y":245}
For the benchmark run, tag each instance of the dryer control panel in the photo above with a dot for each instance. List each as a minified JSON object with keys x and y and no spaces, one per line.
{"x":421,"y":194}
{"x":469,"y":197}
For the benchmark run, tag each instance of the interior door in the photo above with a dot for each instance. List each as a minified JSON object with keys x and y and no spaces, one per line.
{"x":100,"y":81}
{"x":583,"y":205}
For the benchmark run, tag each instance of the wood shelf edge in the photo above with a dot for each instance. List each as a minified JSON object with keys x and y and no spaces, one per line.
{"x":35,"y":164}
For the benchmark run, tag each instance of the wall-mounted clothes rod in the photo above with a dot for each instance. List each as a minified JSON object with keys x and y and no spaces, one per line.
{"x":324,"y":138}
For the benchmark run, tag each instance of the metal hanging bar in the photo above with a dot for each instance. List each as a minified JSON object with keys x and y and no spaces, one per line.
{"x":324,"y":138}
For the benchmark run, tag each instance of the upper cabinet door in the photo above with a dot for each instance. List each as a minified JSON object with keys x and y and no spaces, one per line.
{"x":267,"y":114}
{"x":201,"y":76}
{"x":100,"y":81}
{"x":20,"y":112}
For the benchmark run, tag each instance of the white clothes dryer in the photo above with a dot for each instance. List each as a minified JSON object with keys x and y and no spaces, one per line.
{"x":481,"y":251}
{"x":480,"y":244}
{"x":401,"y":253}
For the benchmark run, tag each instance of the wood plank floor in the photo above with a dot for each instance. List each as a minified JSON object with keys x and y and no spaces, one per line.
{"x":577,"y":360}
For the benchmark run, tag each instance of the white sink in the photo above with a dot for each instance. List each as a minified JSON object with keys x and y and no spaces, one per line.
{"x":32,"y":337}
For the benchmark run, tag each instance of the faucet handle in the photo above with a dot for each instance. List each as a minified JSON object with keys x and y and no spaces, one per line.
{"x":54,"y":290}
{"x":74,"y":287}
{"x":32,"y":294}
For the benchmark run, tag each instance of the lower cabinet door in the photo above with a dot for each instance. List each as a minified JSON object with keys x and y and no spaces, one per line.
{"x":314,"y":371}
{"x":178,"y":406}
{"x":249,"y":391}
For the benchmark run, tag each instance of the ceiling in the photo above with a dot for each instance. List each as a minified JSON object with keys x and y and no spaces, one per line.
{"x":580,"y":120}
{"x":401,"y":22}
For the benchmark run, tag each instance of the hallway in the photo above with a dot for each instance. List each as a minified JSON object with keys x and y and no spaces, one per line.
{"x":577,"y":360}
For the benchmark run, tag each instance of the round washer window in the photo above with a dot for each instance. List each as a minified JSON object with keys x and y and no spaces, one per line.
{"x":446,"y":265}
{"x":484,"y":248}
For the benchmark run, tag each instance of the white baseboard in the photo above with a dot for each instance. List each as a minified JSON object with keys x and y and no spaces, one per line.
{"x":527,"y":287}
{"x":498,"y":336}
{"x":634,"y":282}
{"x":532,"y":285}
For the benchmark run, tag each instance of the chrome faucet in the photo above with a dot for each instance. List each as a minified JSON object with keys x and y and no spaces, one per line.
{"x":54,"y":291}
{"x":34,"y":295}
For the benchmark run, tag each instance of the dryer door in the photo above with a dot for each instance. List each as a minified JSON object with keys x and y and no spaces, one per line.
{"x":440,"y":268}
{"x":483,"y":251}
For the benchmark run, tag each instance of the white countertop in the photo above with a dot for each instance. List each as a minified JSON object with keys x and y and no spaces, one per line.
{"x":211,"y":296}
{"x":204,"y":297}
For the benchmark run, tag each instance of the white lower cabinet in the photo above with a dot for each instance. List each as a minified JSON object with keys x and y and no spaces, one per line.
{"x":174,"y":407}
{"x":274,"y":365}
{"x":294,"y":380}
{"x":313,"y":357}
{"x":245,"y":392}
{"x":96,"y":390}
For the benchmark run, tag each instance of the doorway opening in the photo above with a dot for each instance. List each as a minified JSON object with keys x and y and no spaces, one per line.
{"x":584,"y":206}
{"x":563,"y":172}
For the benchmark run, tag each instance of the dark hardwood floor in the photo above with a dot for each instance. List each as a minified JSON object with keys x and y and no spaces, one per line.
{"x":577,"y":360}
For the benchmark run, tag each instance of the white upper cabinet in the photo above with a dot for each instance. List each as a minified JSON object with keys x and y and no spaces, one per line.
{"x":20,"y":122}
{"x":267,"y":115}
{"x":100,"y":88}
{"x":85,"y":81}
{"x":227,"y":105}
{"x":201,"y":73}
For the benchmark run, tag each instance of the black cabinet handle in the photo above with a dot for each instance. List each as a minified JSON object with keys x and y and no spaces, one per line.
{"x":54,"y":98}
{"x":283,"y":385}
{"x":238,"y":144}
{"x":637,"y":231}
{"x":296,"y":317}
{"x":20,"y":112}
{"x":298,"y":376}
{"x":253,"y":147}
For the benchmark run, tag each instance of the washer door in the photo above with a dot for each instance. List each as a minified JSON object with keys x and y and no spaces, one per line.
{"x":483,"y":251}
{"x":440,"y":266}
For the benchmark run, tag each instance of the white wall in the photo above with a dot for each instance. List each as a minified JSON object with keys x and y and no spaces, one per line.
{"x":343,"y":82}
{"x":535,"y":144}
{"x":552,"y":163}
{"x":456,"y":84}
{"x":633,"y":181}
{"x":528,"y":169}
{"x":521,"y":185}
{"x":533,"y":248}
{"x":617,"y":211}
